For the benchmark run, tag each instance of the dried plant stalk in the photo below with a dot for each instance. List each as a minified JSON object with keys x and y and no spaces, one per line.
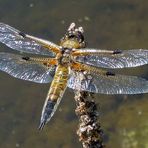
{"x":89,"y":131}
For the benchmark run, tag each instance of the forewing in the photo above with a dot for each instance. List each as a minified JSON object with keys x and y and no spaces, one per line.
{"x":116,"y":59}
{"x":20,"y":68}
{"x":108,"y":84}
{"x":12,"y":38}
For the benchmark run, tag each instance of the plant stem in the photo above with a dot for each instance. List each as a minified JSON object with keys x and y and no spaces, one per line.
{"x":89,"y":130}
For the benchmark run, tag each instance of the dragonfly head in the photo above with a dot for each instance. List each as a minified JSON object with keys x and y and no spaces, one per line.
{"x":73,"y":38}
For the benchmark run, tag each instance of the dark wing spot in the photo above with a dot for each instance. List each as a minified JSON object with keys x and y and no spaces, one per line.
{"x":22,"y":34}
{"x":117,"y":51}
{"x":110,"y":73}
{"x":46,"y":64}
{"x":25,"y":58}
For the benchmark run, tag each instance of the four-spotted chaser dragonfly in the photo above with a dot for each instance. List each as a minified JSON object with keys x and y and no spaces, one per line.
{"x":64,"y":64}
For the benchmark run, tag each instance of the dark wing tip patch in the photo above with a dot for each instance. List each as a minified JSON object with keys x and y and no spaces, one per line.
{"x":22,"y":34}
{"x":117,"y":51}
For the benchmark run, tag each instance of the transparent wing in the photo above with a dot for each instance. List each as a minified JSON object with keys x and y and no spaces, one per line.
{"x":20,"y":68}
{"x":13,"y":39}
{"x":108,"y":83}
{"x":114,"y":59}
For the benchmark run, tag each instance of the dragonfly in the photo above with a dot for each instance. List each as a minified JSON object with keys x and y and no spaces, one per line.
{"x":63,"y":65}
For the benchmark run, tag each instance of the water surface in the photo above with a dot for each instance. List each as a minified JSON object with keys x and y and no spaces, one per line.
{"x":107,"y":24}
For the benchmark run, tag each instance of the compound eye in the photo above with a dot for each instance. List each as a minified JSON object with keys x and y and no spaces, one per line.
{"x":71,"y":36}
{"x":80,"y":37}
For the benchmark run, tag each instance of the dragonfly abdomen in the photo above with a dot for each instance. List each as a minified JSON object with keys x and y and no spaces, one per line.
{"x":59,"y":83}
{"x":55,"y":94}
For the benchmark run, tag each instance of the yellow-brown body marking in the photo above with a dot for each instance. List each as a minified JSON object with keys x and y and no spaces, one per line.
{"x":59,"y":83}
{"x":72,"y":40}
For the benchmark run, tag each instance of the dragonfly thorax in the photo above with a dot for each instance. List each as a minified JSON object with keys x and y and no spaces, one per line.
{"x":64,"y":58}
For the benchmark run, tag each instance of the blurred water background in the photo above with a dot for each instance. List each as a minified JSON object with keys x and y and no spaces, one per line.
{"x":108,"y":24}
